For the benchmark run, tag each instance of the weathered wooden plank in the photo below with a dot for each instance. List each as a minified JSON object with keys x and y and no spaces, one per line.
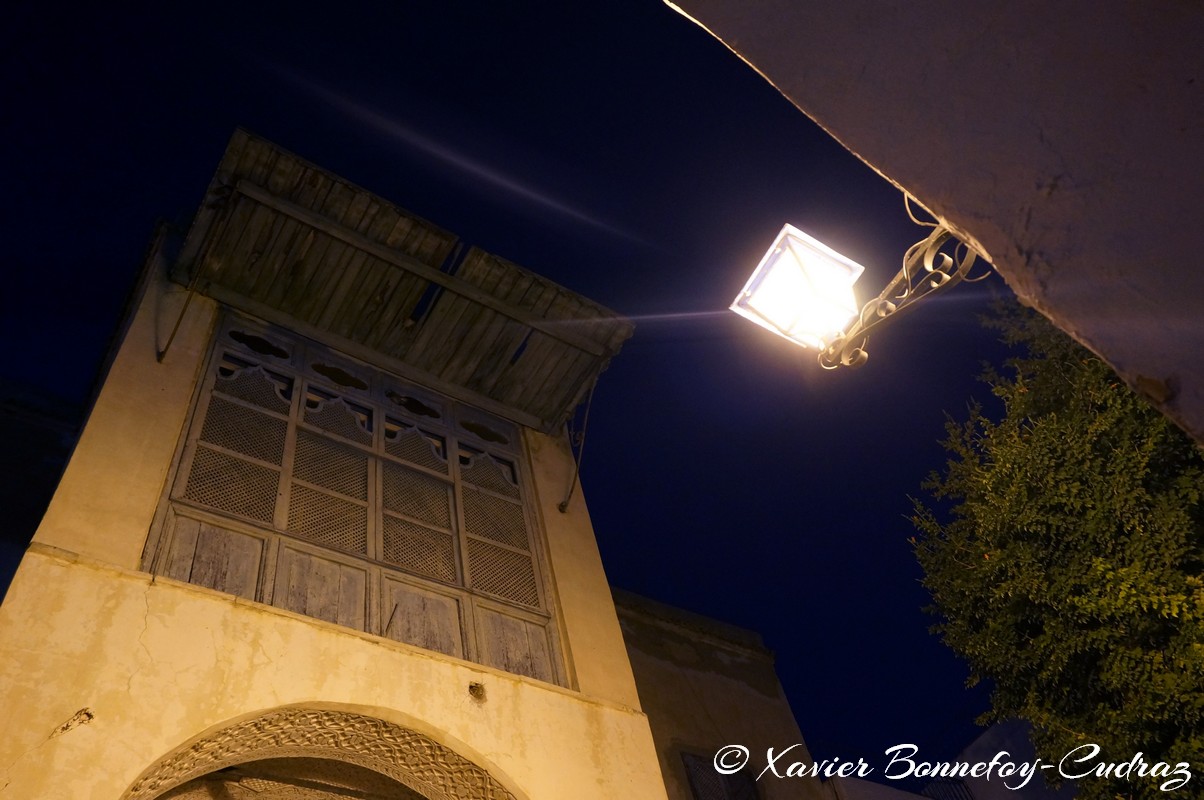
{"x":516,"y":383}
{"x":311,"y":187}
{"x":276,"y":269}
{"x":326,"y":281}
{"x":550,"y":391}
{"x":353,"y":597}
{"x":346,"y":280}
{"x":283,"y":177}
{"x":244,"y":554}
{"x":349,"y":204}
{"x":510,"y":342}
{"x":291,"y":592}
{"x":482,"y":324}
{"x":338,"y":199}
{"x":542,"y":351}
{"x":393,"y":319}
{"x":475,"y":269}
{"x":226,"y":560}
{"x":227,"y":168}
{"x":373,"y":300}
{"x":440,"y":326}
{"x":499,"y":364}
{"x":540,"y":652}
{"x":382,"y":225}
{"x":322,"y":590}
{"x":505,"y":336}
{"x":286,"y":234}
{"x":372,"y":208}
{"x":582,"y":316}
{"x":399,"y":234}
{"x":317,"y":293}
{"x":513,"y":382}
{"x":357,"y":211}
{"x":395,"y":330}
{"x":397,"y":334}
{"x":209,"y":563}
{"x":402,"y":261}
{"x":421,"y":618}
{"x":510,"y":644}
{"x":266,"y":226}
{"x":230,"y":262}
{"x":344,"y":317}
{"x":263,"y":162}
{"x":617,"y":331}
{"x":431,"y":248}
{"x":367,"y":278}
{"x":453,"y":350}
{"x":252,"y":152}
{"x":292,"y":283}
{"x":220,"y":260}
{"x":183,"y":548}
{"x":428,"y":245}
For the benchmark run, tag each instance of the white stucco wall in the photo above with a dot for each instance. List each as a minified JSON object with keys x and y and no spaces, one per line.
{"x":1064,"y":140}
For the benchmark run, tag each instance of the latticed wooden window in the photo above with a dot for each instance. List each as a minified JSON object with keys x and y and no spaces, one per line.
{"x":328,"y":488}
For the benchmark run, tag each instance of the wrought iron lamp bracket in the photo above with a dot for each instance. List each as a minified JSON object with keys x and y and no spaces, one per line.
{"x":926,"y":271}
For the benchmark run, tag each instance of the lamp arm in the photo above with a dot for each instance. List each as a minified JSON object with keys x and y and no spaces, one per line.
{"x":926,"y":271}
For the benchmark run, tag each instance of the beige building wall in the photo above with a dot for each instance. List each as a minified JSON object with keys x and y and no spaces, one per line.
{"x":144,"y":667}
{"x":105,"y":670}
{"x":705,"y":686}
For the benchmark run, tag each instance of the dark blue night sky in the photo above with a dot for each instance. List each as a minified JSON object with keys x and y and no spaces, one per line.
{"x":621,"y":151}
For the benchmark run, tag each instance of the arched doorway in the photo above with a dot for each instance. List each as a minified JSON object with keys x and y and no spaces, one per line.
{"x":307,"y":753}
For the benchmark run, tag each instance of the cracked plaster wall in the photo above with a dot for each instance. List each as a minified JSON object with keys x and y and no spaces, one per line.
{"x":1065,"y":140}
{"x":155,"y":664}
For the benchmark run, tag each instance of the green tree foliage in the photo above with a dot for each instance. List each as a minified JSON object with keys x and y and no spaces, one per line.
{"x":1063,"y":546}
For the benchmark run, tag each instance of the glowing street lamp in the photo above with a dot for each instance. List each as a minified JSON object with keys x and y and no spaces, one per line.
{"x":803,"y":290}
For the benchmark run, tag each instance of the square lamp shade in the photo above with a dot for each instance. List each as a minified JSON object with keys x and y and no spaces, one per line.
{"x":802,"y":290}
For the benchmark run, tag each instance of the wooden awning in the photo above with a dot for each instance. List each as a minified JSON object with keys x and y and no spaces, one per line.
{"x":297,"y":246}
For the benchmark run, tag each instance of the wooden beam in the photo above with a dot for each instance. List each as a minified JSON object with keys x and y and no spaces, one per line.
{"x":560,"y":332}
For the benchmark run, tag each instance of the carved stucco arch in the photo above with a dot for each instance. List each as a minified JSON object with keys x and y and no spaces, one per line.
{"x":408,"y":757}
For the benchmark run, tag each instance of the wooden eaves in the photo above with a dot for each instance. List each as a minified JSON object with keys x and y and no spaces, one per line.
{"x":297,"y":246}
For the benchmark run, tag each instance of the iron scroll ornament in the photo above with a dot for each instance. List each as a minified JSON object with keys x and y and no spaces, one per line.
{"x":926,"y":271}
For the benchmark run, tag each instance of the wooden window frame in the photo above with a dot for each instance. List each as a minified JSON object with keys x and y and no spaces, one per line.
{"x":197,"y":542}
